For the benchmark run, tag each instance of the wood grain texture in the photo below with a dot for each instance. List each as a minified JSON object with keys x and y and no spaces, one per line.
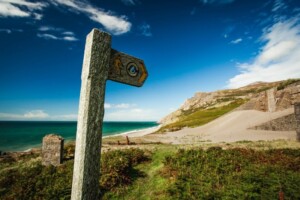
{"x":119,"y":69}
{"x":90,"y":117}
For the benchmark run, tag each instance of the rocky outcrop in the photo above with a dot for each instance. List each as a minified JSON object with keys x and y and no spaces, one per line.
{"x":266,"y":97}
{"x":286,"y":123}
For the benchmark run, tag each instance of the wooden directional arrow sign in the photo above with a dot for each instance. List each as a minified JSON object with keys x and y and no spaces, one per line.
{"x":126,"y":69}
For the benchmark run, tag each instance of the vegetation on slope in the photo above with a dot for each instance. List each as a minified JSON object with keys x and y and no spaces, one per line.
{"x":32,"y":180}
{"x":200,"y":116}
{"x":286,"y":83}
{"x":233,"y":174}
{"x":167,"y":173}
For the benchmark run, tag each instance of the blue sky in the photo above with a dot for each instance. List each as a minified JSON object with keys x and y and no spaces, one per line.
{"x":187,"y":46}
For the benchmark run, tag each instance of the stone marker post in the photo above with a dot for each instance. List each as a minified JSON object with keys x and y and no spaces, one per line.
{"x":91,"y":110}
{"x":297,"y":115}
{"x":52,"y":150}
{"x":100,"y":63}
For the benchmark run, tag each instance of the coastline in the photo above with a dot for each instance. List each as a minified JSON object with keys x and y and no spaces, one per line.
{"x":136,"y":133}
{"x":133,"y":133}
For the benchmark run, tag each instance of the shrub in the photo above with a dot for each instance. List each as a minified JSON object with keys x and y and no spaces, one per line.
{"x":31,"y":180}
{"x":233,"y":174}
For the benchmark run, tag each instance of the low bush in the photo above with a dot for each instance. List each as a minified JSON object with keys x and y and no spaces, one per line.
{"x":31,"y":180}
{"x":233,"y":174}
{"x":286,"y":83}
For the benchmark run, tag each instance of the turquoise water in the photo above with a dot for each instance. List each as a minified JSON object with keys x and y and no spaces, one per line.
{"x":19,"y":136}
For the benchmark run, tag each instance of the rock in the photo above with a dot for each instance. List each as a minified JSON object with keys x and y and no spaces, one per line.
{"x":52,"y":150}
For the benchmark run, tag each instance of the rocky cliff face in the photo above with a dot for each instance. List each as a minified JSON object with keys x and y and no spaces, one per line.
{"x":266,"y":97}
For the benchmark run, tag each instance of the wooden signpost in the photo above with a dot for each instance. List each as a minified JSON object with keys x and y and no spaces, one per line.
{"x":100,"y":63}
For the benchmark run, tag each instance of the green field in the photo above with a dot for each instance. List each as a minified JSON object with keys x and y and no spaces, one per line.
{"x":267,"y":170}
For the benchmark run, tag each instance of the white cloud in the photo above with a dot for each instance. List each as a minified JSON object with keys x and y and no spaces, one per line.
{"x":123,"y":105}
{"x":8,"y":31}
{"x":129,"y":2}
{"x":69,"y":38}
{"x":69,"y":117}
{"x":31,"y":115}
{"x":135,"y":114}
{"x":278,"y":59}
{"x":216,"y":1}
{"x":37,"y":115}
{"x":47,"y":36}
{"x":115,"y":24}
{"x":278,"y":5}
{"x":53,"y":37}
{"x":21,"y":8}
{"x":49,"y":28}
{"x":119,"y":106}
{"x":146,"y":30}
{"x":236,"y":41}
{"x":107,"y":105}
{"x":68,"y":33}
{"x":65,"y":35}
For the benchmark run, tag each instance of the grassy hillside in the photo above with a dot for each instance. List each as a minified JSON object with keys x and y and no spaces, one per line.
{"x":168,"y":172}
{"x":200,"y":116}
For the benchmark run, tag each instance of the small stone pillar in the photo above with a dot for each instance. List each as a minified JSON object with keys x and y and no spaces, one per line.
{"x":52,"y":150}
{"x":297,"y":115}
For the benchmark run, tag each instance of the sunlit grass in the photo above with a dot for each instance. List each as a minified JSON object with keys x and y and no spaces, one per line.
{"x":201,"y":116}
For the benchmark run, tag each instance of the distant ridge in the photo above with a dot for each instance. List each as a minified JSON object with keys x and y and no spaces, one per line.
{"x":206,"y":106}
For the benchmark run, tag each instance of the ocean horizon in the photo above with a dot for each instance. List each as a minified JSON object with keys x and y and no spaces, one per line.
{"x":23,"y":135}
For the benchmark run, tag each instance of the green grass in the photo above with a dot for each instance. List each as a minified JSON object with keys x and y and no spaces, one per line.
{"x":287,"y":83}
{"x":29,"y":179}
{"x":168,"y":172}
{"x":201,"y":117}
{"x":233,"y":174}
{"x":239,"y":92}
{"x":152,"y":185}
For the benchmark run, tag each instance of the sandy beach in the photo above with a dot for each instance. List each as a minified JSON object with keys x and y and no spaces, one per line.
{"x":231,"y":127}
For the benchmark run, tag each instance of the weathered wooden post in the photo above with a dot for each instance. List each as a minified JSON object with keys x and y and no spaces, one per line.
{"x":100,"y":63}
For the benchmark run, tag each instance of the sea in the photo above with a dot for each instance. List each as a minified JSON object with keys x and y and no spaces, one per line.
{"x":21,"y":136}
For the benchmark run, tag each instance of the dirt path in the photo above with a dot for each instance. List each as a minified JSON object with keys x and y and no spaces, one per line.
{"x":228,"y":128}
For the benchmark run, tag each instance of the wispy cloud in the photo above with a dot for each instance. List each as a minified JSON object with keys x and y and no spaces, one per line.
{"x":50,"y":32}
{"x":53,"y":37}
{"x":278,"y":58}
{"x":279,"y":5}
{"x":47,"y":36}
{"x":69,"y":38}
{"x":236,"y":41}
{"x":193,"y":11}
{"x":134,"y":114}
{"x":37,"y":115}
{"x":115,"y":24}
{"x":145,"y":30}
{"x":129,"y":2}
{"x":124,"y":105}
{"x":119,"y":106}
{"x":8,"y":31}
{"x":216,"y":1}
{"x":49,"y":28}
{"x":68,"y":33}
{"x":21,"y":8}
{"x":69,"y":117}
{"x":31,"y":115}
{"x":229,"y":29}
